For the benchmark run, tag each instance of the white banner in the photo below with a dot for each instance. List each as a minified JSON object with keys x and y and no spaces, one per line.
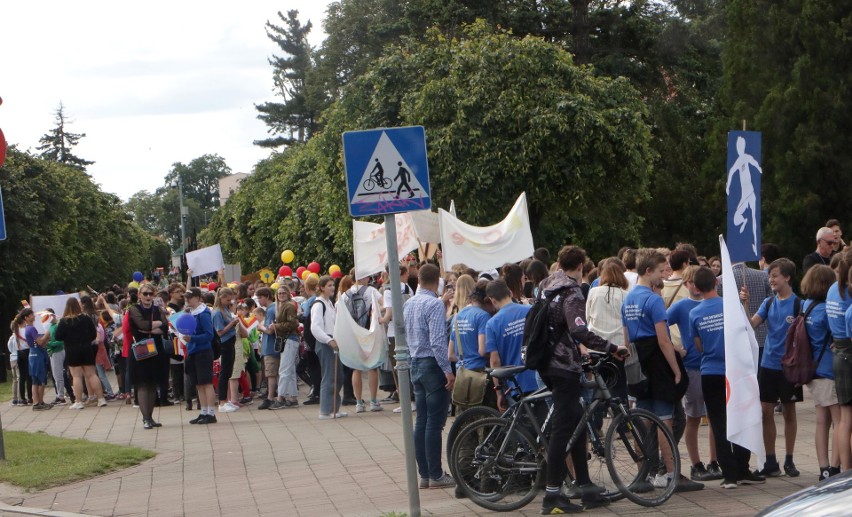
{"x":369,"y":244}
{"x":206,"y":260}
{"x":488,"y":247}
{"x":745,"y":421}
{"x":426,"y":226}
{"x":360,"y":348}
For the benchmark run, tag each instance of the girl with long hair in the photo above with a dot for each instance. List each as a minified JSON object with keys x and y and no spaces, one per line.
{"x":77,"y":331}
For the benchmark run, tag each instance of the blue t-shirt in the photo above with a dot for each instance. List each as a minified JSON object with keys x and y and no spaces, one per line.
{"x":777,"y":322}
{"x":504,"y":334}
{"x":202,"y":339}
{"x":267,"y":345}
{"x":835,"y":308}
{"x":820,"y":337}
{"x":641,"y":311}
{"x":220,"y":319}
{"x":708,"y":324}
{"x":678,"y":314}
{"x":471,"y":321}
{"x":31,"y":334}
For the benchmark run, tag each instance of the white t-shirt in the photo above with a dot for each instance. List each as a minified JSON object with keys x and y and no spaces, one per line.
{"x":388,"y":296}
{"x":632,"y":277}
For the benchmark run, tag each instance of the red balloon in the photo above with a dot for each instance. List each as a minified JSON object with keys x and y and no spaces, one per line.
{"x":314,"y":267}
{"x":285,"y":271}
{"x":212,"y":286}
{"x":336,"y":274}
{"x":300,"y":270}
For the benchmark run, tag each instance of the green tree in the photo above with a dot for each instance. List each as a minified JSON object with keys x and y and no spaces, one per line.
{"x":295,"y":79}
{"x":57,"y":143}
{"x":200,"y":179}
{"x":504,"y":115}
{"x":65,"y":233}
{"x":784,"y":73}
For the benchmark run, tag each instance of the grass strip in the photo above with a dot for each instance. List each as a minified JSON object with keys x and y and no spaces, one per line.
{"x":36,"y":461}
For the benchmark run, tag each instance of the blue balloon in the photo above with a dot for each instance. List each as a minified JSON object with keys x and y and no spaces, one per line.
{"x":186,"y":324}
{"x":138,"y":276}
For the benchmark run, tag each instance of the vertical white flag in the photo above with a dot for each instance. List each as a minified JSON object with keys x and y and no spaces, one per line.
{"x":369,"y":244}
{"x":745,"y":421}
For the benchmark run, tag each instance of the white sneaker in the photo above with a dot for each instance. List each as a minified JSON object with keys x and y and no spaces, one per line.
{"x":399,"y":409}
{"x":359,"y":407}
{"x":375,"y":406}
{"x":340,"y":414}
{"x":661,"y":481}
{"x":102,"y":402}
{"x":227,"y":407}
{"x":76,"y":405}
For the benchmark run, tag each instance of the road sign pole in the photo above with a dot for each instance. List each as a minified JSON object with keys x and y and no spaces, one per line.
{"x":402,"y":366}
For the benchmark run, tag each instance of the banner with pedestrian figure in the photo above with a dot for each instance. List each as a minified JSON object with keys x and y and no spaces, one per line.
{"x":743,"y":189}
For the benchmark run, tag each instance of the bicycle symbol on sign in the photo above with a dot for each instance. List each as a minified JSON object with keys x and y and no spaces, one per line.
{"x":377,"y":178}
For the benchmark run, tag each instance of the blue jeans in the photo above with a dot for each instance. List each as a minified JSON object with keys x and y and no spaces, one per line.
{"x":432,"y":400}
{"x":329,"y":397}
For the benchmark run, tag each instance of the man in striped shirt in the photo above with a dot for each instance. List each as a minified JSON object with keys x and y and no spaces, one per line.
{"x":431,"y":375}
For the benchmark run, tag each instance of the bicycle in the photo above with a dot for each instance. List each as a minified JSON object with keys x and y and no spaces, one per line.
{"x":500,"y":463}
{"x":372,"y":182}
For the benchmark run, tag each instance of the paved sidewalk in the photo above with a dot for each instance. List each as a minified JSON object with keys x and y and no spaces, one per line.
{"x":287,"y":462}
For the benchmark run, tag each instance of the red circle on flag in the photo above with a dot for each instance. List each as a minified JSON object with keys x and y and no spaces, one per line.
{"x":2,"y":148}
{"x":727,"y":391}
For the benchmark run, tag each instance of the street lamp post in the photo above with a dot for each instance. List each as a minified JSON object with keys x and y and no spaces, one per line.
{"x":183,"y":213}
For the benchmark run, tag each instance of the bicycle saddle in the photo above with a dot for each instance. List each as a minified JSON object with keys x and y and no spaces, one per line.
{"x":504,"y":372}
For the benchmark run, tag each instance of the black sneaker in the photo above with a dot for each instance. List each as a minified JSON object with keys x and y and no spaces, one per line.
{"x":593,"y":498}
{"x":266,"y":404}
{"x":641,"y":486}
{"x":349,"y":401}
{"x":199,"y":419}
{"x":687,"y":485}
{"x":770,"y":470}
{"x":751,"y":479}
{"x":823,"y":474}
{"x":559,"y":504}
{"x":833,"y":471}
{"x":715,"y":470}
{"x":791,"y":470}
{"x":210,"y":419}
{"x":311,"y":401}
{"x":699,"y":473}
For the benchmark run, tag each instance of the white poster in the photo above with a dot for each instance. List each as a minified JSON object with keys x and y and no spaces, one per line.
{"x":487,"y":247}
{"x":369,"y":244}
{"x":360,"y":348}
{"x":206,"y":260}
{"x":56,"y":302}
{"x":426,"y":226}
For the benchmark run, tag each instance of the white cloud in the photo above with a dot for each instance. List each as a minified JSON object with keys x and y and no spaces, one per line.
{"x":150,"y":84}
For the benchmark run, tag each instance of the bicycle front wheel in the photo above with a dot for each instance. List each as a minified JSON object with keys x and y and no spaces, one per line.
{"x":369,"y":184}
{"x":497,"y":468}
{"x":636,"y":445}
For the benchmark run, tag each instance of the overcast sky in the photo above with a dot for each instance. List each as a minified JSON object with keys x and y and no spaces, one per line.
{"x":149,"y":83}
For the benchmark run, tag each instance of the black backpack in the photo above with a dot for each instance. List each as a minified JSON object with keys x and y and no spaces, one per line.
{"x":305,"y":319}
{"x":538,"y":333}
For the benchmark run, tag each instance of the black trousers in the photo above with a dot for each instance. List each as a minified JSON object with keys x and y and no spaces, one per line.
{"x":732,"y":458}
{"x":24,"y":380}
{"x":567,"y":413}
{"x":227,"y":362}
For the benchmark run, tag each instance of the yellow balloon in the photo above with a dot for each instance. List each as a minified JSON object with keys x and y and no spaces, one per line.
{"x":314,"y":275}
{"x":305,"y":274}
{"x":133,"y":284}
{"x":334,"y":268}
{"x":287,"y":256}
{"x":274,"y":286}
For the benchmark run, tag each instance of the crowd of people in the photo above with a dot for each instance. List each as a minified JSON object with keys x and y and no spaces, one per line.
{"x":659,"y":309}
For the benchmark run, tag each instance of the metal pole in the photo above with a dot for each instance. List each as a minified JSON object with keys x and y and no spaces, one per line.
{"x":402,"y":367}
{"x":182,"y":227}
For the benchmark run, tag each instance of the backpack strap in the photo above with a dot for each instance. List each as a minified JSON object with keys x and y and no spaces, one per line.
{"x":805,"y":316}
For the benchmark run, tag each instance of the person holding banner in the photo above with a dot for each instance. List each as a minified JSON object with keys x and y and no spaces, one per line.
{"x":708,"y":331}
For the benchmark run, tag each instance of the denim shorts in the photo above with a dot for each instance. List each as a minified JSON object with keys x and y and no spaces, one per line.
{"x":661,"y":408}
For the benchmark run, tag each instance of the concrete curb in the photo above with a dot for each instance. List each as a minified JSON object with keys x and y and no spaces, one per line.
{"x":6,"y":509}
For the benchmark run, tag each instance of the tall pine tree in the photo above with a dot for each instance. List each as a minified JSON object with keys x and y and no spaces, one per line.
{"x":295,"y":119}
{"x":56,"y":144}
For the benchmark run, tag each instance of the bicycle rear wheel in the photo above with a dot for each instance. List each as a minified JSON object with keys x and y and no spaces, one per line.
{"x":633,"y":453}
{"x":465,"y":418}
{"x":497,"y":468}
